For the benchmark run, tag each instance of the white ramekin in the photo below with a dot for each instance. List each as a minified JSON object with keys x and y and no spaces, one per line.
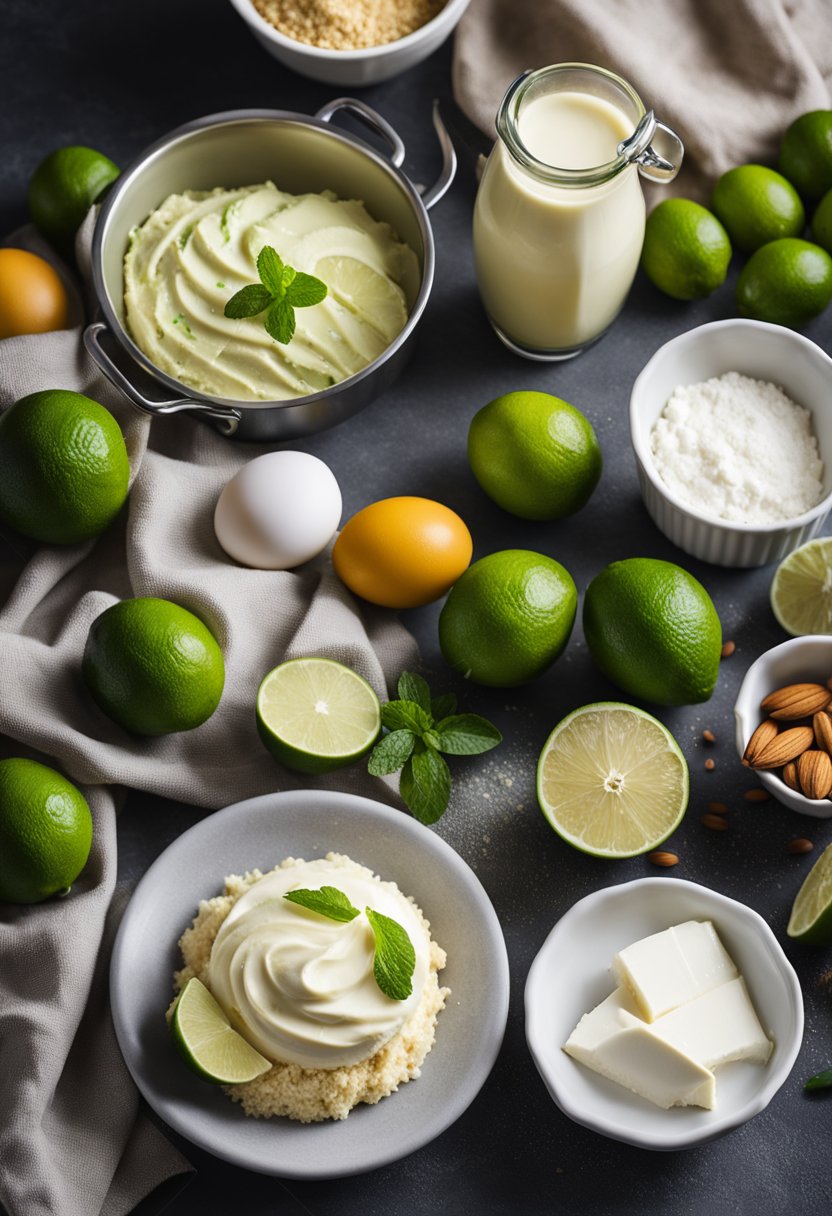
{"x":765,"y":352}
{"x":806,"y":659}
{"x":370,"y":65}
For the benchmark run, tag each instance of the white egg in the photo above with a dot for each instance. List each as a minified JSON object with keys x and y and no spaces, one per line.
{"x":279,"y":511}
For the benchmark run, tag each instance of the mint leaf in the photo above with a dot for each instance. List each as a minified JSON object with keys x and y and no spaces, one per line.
{"x":328,"y":901}
{"x":390,"y":753}
{"x":413,"y":688}
{"x":425,"y":785}
{"x":270,"y":270}
{"x":443,"y":707}
{"x":466,"y":735}
{"x":289,"y":273}
{"x":304,"y":290}
{"x":405,"y":715}
{"x":280,"y":321}
{"x":248,"y":301}
{"x":395,"y":957}
{"x":822,"y":1080}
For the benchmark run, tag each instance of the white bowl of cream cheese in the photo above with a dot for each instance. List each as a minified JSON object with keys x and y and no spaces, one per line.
{"x":572,"y":974}
{"x":763,"y":352}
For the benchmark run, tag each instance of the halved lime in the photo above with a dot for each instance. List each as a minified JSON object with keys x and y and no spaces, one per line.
{"x":801,"y":590}
{"x":612,"y":780}
{"x":811,"y":918}
{"x":315,"y":715}
{"x":207,"y":1042}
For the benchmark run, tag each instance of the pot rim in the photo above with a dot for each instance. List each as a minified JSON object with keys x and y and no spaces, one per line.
{"x":227,"y":118}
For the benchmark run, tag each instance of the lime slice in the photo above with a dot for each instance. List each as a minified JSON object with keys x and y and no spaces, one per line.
{"x":612,"y":781}
{"x":315,"y":715}
{"x":811,"y":918}
{"x":378,"y":300}
{"x":801,"y":590}
{"x":207,"y":1042}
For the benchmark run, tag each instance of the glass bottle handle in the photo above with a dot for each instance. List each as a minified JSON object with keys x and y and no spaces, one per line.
{"x":655,"y":148}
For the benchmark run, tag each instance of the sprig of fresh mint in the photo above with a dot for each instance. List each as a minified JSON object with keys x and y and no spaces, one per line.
{"x":394,"y":960}
{"x":280,"y":291}
{"x":422,"y":726}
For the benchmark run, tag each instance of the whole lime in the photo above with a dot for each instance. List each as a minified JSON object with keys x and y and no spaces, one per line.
{"x":806,"y":153}
{"x":787,"y":281}
{"x":653,"y":630}
{"x":63,"y":467}
{"x":686,"y":250}
{"x":153,"y":667}
{"x":45,"y":832}
{"x":62,"y":189}
{"x":822,"y":223}
{"x":535,"y":455}
{"x":508,"y":618}
{"x":757,"y":205}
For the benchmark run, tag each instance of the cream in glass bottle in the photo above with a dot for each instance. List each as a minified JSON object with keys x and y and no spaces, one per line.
{"x":559,"y":216}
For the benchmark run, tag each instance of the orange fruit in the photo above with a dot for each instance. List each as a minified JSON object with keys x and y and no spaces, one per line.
{"x":32,"y":297}
{"x":402,"y":552}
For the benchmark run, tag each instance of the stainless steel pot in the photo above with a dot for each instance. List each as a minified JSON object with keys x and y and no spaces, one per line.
{"x":301,"y":154}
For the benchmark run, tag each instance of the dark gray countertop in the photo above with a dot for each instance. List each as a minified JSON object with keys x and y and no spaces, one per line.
{"x":116,"y":79}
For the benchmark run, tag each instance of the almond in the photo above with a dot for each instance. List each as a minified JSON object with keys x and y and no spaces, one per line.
{"x":814,"y":772}
{"x":799,"y":845}
{"x":661,"y":858}
{"x":757,"y":795}
{"x":786,"y":746}
{"x":789,"y":776}
{"x":715,"y":822}
{"x":822,"y":726}
{"x":796,"y":701}
{"x":761,"y":738}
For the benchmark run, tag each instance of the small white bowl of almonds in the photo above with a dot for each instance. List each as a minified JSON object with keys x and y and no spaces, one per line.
{"x":784,"y":723}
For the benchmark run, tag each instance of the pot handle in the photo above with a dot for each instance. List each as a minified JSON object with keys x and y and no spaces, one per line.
{"x":382,"y":128}
{"x":224,"y":418}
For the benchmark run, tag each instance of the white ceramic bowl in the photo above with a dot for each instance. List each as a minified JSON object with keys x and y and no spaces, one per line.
{"x":369,"y":65}
{"x":801,"y":659}
{"x":571,"y":975}
{"x":765,"y":352}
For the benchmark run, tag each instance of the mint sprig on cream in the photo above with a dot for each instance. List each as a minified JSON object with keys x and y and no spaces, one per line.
{"x":394,"y":960}
{"x":421,"y":727}
{"x":280,"y":291}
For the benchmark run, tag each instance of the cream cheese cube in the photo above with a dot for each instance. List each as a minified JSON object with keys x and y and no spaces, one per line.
{"x":670,"y":968}
{"x":597,"y":1025}
{"x":718,"y":1027}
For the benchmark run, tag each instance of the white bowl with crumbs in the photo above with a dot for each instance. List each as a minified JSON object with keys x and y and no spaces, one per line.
{"x":342,"y":44}
{"x":257,"y":835}
{"x":736,"y":469}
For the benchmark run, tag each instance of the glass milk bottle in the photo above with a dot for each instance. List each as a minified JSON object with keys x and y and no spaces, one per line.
{"x":559,"y":216}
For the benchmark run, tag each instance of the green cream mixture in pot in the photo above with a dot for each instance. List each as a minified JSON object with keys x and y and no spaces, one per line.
{"x":197,"y":249}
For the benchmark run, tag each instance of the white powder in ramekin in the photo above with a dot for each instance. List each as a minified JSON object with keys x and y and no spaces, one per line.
{"x":738,"y":449}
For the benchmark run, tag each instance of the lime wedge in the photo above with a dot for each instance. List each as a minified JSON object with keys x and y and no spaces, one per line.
{"x":811,"y":918}
{"x":612,"y":781}
{"x":801,"y":590}
{"x":377,"y":300}
{"x":315,"y":715}
{"x":207,"y":1042}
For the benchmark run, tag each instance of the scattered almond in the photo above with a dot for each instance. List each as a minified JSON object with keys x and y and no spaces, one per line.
{"x":715,"y":822}
{"x":661,"y":858}
{"x":708,"y":736}
{"x":822,"y":726}
{"x":786,"y":746}
{"x":799,"y":845}
{"x":728,"y":649}
{"x":796,"y":701}
{"x":761,"y":738}
{"x":710,"y":764}
{"x":789,"y":775}
{"x":718,"y":808}
{"x":757,"y":795}
{"x":814,"y":772}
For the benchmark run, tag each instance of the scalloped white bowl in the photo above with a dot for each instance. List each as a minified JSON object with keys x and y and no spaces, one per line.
{"x":571,"y":974}
{"x":808,"y":658}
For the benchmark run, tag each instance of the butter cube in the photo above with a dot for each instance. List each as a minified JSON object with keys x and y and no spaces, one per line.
{"x":668,"y":969}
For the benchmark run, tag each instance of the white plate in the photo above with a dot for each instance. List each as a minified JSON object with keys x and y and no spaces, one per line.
{"x":571,"y":975}
{"x":258,"y":834}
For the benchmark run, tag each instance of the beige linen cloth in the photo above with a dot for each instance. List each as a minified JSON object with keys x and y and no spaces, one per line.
{"x":728,"y":75}
{"x":73,"y":1139}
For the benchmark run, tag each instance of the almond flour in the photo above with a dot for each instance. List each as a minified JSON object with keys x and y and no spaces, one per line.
{"x":738,"y":449}
{"x":347,"y":25}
